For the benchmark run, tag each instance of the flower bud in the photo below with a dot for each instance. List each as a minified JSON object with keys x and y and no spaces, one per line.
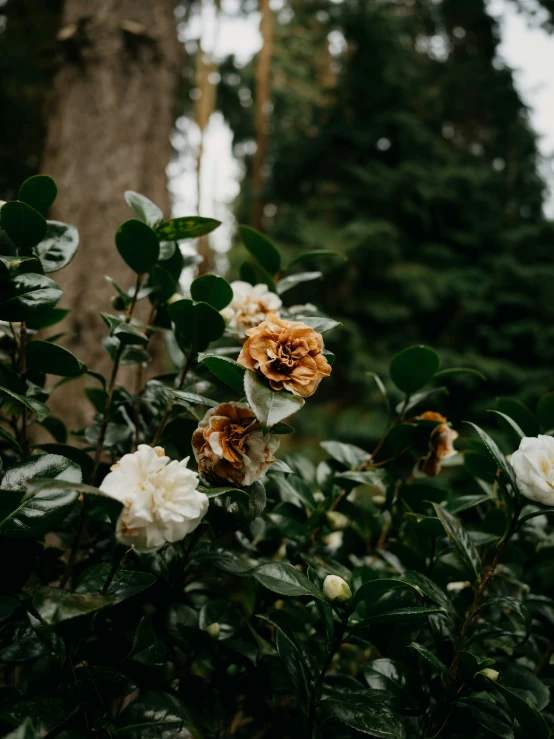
{"x":319,"y":497}
{"x":336,"y":520}
{"x":118,"y":302}
{"x":491,"y":674}
{"x":213,"y":630}
{"x":335,"y":588}
{"x":378,"y":500}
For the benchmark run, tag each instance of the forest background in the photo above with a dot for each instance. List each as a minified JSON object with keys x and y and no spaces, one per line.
{"x":386,"y":130}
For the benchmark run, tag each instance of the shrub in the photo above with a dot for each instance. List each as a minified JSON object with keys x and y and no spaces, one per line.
{"x":167,"y":574}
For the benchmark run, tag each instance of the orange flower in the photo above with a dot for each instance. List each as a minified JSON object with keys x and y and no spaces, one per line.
{"x":287,"y":353}
{"x":229,"y":444}
{"x":441,"y":444}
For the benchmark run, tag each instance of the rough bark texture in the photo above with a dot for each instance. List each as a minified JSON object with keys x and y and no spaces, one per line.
{"x":109,"y":124}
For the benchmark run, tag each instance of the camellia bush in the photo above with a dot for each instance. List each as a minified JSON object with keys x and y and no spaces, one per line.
{"x":167,"y":573}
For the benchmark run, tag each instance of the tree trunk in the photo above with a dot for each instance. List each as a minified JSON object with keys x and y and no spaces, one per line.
{"x":109,"y":125}
{"x":262,"y":112}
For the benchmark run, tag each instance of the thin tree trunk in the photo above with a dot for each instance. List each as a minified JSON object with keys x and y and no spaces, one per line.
{"x":262,"y":112}
{"x":108,"y":131}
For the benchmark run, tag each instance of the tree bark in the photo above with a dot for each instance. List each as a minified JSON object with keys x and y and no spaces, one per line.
{"x":109,"y":125}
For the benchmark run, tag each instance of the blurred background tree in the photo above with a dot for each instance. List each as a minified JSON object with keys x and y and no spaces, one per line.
{"x":395,"y":135}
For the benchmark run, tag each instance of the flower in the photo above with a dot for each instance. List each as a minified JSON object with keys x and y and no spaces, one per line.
{"x":441,"y":443}
{"x":336,"y":520}
{"x":160,"y":499}
{"x":249,"y":306}
{"x":335,"y":588}
{"x":533,"y":464}
{"x":491,"y":674}
{"x":229,"y":444}
{"x":287,"y":353}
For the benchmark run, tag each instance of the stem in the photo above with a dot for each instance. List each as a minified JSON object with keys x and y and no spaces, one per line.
{"x":22,"y":370}
{"x":182,"y":378}
{"x":115,"y":566}
{"x":139,"y":375}
{"x":111,"y":385}
{"x":317,"y":687}
{"x":74,"y":549}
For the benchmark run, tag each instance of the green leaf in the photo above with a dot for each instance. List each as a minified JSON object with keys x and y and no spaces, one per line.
{"x":199,"y":324}
{"x":497,"y":455}
{"x":227,"y":370}
{"x":213,"y":290}
{"x":461,"y":540}
{"x":358,"y":714}
{"x":545,"y":411}
{"x":55,"y":605}
{"x":138,"y":245}
{"x":10,"y":439}
{"x":155,"y":715}
{"x":347,"y":454}
{"x":44,"y":510}
{"x":318,"y":323}
{"x":372,"y":590}
{"x":80,"y":457}
{"x":144,"y":209}
{"x":52,"y":359}
{"x":518,"y":411}
{"x":125,"y":584}
{"x":129,"y":335}
{"x":413,"y":368}
{"x":23,"y":224}
{"x":261,"y":248}
{"x":291,"y":657}
{"x":56,"y":427}
{"x":431,"y":658}
{"x":190,"y":227}
{"x":58,"y":247}
{"x":489,"y":715}
{"x":461,"y":371}
{"x":530,"y":720}
{"x":397,"y":615}
{"x":24,"y":731}
{"x":254,"y":274}
{"x":233,"y":508}
{"x":282,"y":428}
{"x":287,"y":283}
{"x":269,"y":406}
{"x":45,"y":712}
{"x":50,"y":317}
{"x":35,"y":406}
{"x":524,"y":683}
{"x":511,"y":425}
{"x":39,"y":192}
{"x":283,"y":578}
{"x":182,"y":395}
{"x":408,"y":692}
{"x":309,"y":256}
{"x":27,"y":296}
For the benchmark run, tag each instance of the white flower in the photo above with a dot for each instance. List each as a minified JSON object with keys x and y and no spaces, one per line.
{"x":229,"y":444}
{"x":335,"y":588}
{"x":334,"y":541}
{"x":160,"y":501}
{"x":533,"y":464}
{"x":249,"y":306}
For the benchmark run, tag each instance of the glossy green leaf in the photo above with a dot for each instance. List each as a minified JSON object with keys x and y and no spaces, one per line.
{"x":42,"y":511}
{"x":39,"y":192}
{"x":461,"y":371}
{"x":199,"y":323}
{"x":461,"y":540}
{"x":431,"y":658}
{"x":287,"y":283}
{"x":524,"y":711}
{"x":125,"y":583}
{"x":261,"y":248}
{"x":359,"y":714}
{"x":497,"y":455}
{"x":318,"y":323}
{"x":155,"y":715}
{"x":58,"y":247}
{"x":138,"y":245}
{"x":407,"y":690}
{"x":347,"y":454}
{"x":35,"y":406}
{"x":291,"y":657}
{"x":489,"y":715}
{"x":49,"y":317}
{"x":283,"y":578}
{"x":27,"y":296}
{"x":53,"y":359}
{"x":227,"y":370}
{"x":269,"y":406}
{"x":190,"y":227}
{"x":413,"y":368}
{"x":213,"y":290}
{"x":23,"y":224}
{"x":55,"y":605}
{"x":144,"y":209}
{"x":525,"y":419}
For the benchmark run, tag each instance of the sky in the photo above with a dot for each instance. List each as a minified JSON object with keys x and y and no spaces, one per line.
{"x":525,"y":48}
